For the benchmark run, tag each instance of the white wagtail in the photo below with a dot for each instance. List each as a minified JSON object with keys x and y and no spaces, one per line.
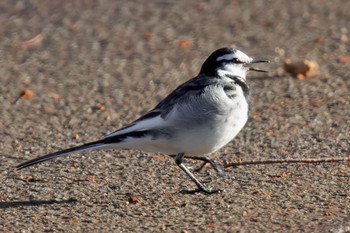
{"x":197,"y":118}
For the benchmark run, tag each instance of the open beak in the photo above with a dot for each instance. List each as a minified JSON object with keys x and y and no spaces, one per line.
{"x":258,"y":61}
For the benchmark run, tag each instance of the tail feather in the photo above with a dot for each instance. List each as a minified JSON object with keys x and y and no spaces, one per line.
{"x":87,"y":146}
{"x":107,"y":142}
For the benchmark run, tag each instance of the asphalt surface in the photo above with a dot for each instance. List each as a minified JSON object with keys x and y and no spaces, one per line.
{"x":89,"y":67}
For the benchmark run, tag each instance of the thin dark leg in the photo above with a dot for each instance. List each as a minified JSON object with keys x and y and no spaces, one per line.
{"x":179,"y":162}
{"x":205,"y":160}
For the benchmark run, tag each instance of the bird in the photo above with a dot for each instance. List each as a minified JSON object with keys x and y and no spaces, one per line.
{"x":198,"y":118}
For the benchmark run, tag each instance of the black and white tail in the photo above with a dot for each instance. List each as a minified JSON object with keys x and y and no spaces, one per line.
{"x":89,"y":146}
{"x":111,"y":141}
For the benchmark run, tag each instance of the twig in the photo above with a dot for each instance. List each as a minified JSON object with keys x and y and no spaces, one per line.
{"x":318,"y":160}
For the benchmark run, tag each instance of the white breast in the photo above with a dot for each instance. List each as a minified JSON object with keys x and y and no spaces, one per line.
{"x":216,"y":130}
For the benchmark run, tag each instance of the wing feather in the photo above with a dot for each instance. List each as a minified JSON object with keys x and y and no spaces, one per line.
{"x":156,"y":118}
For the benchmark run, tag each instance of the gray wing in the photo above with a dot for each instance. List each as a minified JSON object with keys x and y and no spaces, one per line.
{"x":192,"y":88}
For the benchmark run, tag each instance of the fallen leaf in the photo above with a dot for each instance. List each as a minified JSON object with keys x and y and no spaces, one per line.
{"x":280,"y":175}
{"x":160,"y":158}
{"x":184,"y":43}
{"x":134,"y":200}
{"x":257,"y":192}
{"x":300,"y":76}
{"x":34,"y":42}
{"x":54,"y":96}
{"x":327,"y":213}
{"x":344,"y":59}
{"x":91,"y":179}
{"x":26,"y":94}
{"x":269,"y":133}
{"x":100,"y":107}
{"x":267,"y":194}
{"x":30,"y":178}
{"x":301,"y":69}
{"x":74,"y":165}
{"x":211,"y":225}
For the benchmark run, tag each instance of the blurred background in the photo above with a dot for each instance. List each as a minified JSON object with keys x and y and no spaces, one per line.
{"x":71,"y":71}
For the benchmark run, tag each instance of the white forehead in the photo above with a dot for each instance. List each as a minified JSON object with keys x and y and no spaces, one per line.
{"x":236,"y":54}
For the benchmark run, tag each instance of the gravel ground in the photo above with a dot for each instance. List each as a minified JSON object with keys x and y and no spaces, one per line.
{"x":93,"y":66}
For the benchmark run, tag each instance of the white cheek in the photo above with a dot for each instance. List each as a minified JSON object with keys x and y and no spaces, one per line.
{"x":235,"y":70}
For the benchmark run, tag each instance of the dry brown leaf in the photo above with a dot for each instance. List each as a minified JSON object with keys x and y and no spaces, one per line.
{"x":74,"y":165}
{"x":160,"y":158}
{"x":91,"y":179}
{"x":344,"y":59}
{"x":184,"y":43}
{"x":327,"y":213}
{"x":134,"y":200}
{"x":267,"y":194}
{"x":26,"y":94}
{"x":212,"y":225}
{"x":34,"y":42}
{"x":300,"y":76}
{"x":29,"y":178}
{"x":54,"y":96}
{"x":269,"y":133}
{"x":279,"y":175}
{"x":258,"y":192}
{"x":76,"y":136}
{"x":301,"y":69}
{"x":100,"y":107}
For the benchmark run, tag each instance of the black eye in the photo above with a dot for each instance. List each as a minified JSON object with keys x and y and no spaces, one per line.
{"x":235,"y":60}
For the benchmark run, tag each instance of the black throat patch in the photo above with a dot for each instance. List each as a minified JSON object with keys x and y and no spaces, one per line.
{"x":242,"y":84}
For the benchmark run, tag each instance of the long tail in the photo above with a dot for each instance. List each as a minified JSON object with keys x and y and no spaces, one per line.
{"x":108,"y":142}
{"x":87,"y":146}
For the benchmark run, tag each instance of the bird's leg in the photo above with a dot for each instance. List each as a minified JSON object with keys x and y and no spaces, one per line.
{"x":179,"y":161}
{"x":205,"y":160}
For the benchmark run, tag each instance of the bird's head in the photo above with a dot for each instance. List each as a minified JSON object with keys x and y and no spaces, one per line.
{"x":229,"y":61}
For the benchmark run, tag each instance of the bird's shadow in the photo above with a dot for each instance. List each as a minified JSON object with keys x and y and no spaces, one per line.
{"x":16,"y":204}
